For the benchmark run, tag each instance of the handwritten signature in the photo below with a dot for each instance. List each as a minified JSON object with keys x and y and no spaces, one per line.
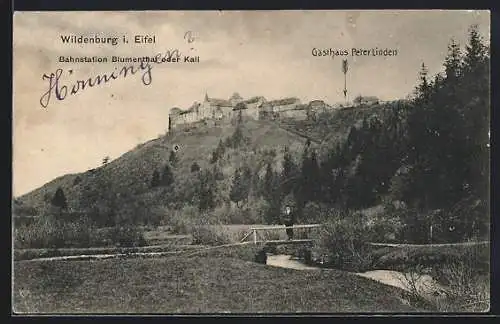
{"x":61,"y":91}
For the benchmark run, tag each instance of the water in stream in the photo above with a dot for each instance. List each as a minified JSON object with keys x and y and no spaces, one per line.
{"x":286,"y":261}
{"x":423,"y":283}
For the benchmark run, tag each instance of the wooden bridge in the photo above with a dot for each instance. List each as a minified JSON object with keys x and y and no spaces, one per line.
{"x":254,"y":232}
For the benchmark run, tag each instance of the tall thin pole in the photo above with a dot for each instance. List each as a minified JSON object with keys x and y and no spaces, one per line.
{"x":344,"y":70}
{"x":345,"y":88}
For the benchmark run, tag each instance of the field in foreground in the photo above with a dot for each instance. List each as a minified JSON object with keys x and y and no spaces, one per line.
{"x":193,"y":285}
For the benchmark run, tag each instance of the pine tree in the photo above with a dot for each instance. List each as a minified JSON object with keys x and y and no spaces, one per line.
{"x":453,"y":61}
{"x":214,"y":158}
{"x":476,"y":113}
{"x":353,"y":142}
{"x":272,"y":194}
{"x":475,"y":52}
{"x":247,"y":176}
{"x":237,"y":189}
{"x":217,"y":173}
{"x":303,"y":193}
{"x":205,"y":191}
{"x":255,"y":184}
{"x":221,"y":148}
{"x":267,"y":186}
{"x":167,"y":177}
{"x":173,"y":158}
{"x":240,"y":188}
{"x":195,"y":167}
{"x":424,"y":87}
{"x":218,"y":153}
{"x":315,"y":176}
{"x":289,"y":173}
{"x":59,"y":199}
{"x":237,"y":137}
{"x":155,"y":179}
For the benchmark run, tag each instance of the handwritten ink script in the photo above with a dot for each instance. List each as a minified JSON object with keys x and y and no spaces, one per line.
{"x":61,"y":90}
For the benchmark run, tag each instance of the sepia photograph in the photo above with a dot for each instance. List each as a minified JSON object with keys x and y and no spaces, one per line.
{"x":251,"y":162}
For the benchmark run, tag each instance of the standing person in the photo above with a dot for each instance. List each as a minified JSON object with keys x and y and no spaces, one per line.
{"x":289,"y":222}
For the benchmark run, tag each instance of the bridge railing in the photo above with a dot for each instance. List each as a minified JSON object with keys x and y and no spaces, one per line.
{"x":253,"y":230}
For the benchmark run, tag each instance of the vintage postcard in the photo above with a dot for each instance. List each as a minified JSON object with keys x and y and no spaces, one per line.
{"x":251,"y":162}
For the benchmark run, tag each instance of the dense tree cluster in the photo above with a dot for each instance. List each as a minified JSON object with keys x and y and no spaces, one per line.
{"x":431,"y":152}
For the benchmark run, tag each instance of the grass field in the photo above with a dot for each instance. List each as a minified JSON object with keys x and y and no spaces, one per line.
{"x":191,"y":285}
{"x":213,"y":280}
{"x":397,"y":258}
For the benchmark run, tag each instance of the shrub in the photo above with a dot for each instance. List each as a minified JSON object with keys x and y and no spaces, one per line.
{"x":463,"y":282}
{"x":181,"y":221}
{"x":245,"y":215}
{"x":39,"y":234}
{"x":386,"y":230}
{"x":271,"y":212}
{"x":222,"y":214}
{"x":257,"y":209}
{"x":315,"y":212}
{"x":344,"y":240}
{"x":19,"y":210}
{"x":77,"y":233}
{"x":47,"y":232}
{"x":127,"y":236}
{"x":210,"y":235}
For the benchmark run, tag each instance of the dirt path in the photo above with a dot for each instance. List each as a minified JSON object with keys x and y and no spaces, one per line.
{"x":188,"y":251}
{"x":103,"y":256}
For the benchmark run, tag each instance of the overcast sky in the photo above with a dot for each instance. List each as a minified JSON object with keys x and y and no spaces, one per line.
{"x":264,"y":53}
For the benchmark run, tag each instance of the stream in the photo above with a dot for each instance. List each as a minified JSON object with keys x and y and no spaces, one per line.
{"x":423,"y":283}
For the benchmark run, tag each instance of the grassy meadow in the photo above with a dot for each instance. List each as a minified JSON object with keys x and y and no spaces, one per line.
{"x":196,"y":284}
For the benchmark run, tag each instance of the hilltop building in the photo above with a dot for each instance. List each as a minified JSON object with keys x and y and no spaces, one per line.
{"x":221,"y":110}
{"x":249,"y":108}
{"x":365,"y":101}
{"x":317,"y":107}
{"x":281,"y":108}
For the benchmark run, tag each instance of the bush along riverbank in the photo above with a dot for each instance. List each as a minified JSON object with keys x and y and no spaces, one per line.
{"x":458,"y":273}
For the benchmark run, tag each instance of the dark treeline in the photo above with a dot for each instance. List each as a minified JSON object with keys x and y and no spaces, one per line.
{"x":430,"y":152}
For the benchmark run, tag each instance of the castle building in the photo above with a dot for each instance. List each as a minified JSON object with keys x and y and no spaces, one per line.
{"x":217,"y":109}
{"x":298,"y":112}
{"x":249,"y":108}
{"x":213,"y":109}
{"x":281,"y":108}
{"x":316,"y":107}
